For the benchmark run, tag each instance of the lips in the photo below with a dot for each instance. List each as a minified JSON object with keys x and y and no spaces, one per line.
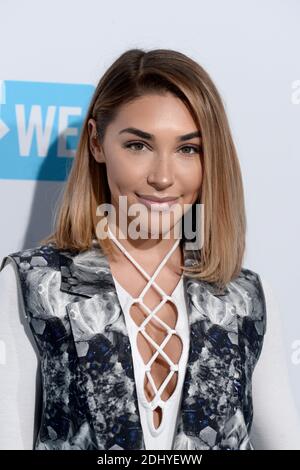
{"x":157,"y":204}
{"x":157,"y":199}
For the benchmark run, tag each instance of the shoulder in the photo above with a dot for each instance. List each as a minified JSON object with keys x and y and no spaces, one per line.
{"x":251,"y":282}
{"x":249,"y":278}
{"x":249,"y":291}
{"x":31,"y":266}
{"x":28,"y":259}
{"x":36,"y":273}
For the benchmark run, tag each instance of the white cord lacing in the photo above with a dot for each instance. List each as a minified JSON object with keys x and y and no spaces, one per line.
{"x":157,"y":401}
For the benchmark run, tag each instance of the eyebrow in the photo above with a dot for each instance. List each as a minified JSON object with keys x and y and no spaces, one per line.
{"x":146,"y":135}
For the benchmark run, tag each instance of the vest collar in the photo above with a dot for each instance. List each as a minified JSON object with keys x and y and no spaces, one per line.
{"x":84,"y":273}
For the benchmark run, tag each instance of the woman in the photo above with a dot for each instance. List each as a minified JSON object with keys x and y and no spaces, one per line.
{"x":145,"y":342}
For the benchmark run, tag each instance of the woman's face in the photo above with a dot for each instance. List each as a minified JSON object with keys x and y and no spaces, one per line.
{"x":144,"y":155}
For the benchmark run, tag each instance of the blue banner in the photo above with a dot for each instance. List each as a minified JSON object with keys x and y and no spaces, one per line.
{"x":40,"y":125}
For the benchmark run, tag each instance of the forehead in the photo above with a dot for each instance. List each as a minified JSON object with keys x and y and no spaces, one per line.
{"x":154,"y":112}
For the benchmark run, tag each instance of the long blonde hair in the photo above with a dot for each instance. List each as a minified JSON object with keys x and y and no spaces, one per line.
{"x":135,"y":73}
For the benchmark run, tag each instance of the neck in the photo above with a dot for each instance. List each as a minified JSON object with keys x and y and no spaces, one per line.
{"x":147,"y":251}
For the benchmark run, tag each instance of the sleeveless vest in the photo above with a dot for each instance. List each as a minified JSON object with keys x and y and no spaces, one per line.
{"x":89,"y":398}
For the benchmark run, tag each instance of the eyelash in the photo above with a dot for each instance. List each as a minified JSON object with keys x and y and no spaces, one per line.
{"x":196,"y":148}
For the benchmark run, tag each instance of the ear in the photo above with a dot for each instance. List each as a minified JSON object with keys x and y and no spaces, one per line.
{"x":94,"y":144}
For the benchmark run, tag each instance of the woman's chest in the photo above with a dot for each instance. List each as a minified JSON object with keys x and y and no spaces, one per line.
{"x":152,"y":320}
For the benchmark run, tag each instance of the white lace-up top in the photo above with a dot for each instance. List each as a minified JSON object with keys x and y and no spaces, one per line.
{"x":161,"y":437}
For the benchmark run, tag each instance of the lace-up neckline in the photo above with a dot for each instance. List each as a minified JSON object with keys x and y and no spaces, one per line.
{"x":175,"y":299}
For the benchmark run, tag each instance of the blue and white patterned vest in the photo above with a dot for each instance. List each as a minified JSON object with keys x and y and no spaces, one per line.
{"x":89,"y":392}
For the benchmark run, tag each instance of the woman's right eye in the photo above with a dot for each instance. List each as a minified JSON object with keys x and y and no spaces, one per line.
{"x":130,"y":144}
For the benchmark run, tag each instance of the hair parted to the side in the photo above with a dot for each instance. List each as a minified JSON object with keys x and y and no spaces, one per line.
{"x":134,"y":74}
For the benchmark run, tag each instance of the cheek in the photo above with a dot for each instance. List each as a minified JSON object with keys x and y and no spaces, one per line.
{"x":121,"y":176}
{"x":192,"y":178}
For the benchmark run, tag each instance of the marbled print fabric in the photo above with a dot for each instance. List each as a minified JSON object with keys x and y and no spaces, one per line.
{"x":89,"y":394}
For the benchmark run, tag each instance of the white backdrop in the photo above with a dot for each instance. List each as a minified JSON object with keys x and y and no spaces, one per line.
{"x":251,"y":50}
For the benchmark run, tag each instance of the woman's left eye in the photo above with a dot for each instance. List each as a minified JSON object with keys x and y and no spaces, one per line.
{"x":197,"y":149}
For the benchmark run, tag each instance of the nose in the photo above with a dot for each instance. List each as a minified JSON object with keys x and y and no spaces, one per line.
{"x":161,"y":173}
